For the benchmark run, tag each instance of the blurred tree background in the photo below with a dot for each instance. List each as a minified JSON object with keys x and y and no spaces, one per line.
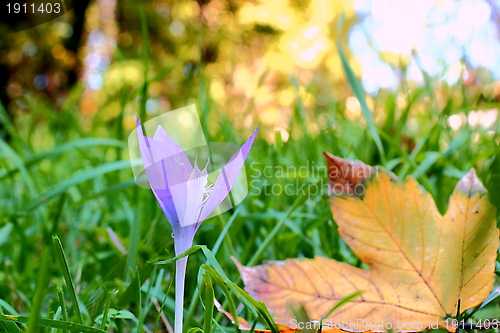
{"x":251,"y":58}
{"x":424,"y":101}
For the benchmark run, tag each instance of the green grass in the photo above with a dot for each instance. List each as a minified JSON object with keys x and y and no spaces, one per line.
{"x":77,"y":235}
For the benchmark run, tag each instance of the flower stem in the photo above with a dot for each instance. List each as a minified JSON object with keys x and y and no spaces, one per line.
{"x":180,"y":277}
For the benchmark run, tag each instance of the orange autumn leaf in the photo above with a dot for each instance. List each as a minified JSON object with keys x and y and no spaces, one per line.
{"x":420,"y":262}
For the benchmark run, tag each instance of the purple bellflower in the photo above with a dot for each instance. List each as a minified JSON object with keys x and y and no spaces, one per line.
{"x":183,"y":194}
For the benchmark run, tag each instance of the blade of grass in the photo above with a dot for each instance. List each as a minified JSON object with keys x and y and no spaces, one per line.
{"x":222,"y":285}
{"x":109,"y":190}
{"x":300,"y":114}
{"x":67,"y":325}
{"x":61,"y":258}
{"x":9,"y":326}
{"x":160,"y":313}
{"x":8,"y":152}
{"x":78,"y":178}
{"x":218,"y":243}
{"x":343,"y":301}
{"x":145,"y":60}
{"x":271,"y":236}
{"x":209,"y":304}
{"x":7,"y":307}
{"x":57,"y":315}
{"x":106,"y":312}
{"x":62,"y":304}
{"x":9,"y":126}
{"x":135,"y":236}
{"x":129,"y":293}
{"x":208,"y":254}
{"x":360,"y":95}
{"x":431,"y":157}
{"x":139,"y":302}
{"x":70,"y":146}
{"x":259,"y":307}
{"x":152,"y":289}
{"x":41,"y":285}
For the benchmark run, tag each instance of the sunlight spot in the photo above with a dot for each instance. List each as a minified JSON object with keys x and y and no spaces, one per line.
{"x":176,"y":28}
{"x":482,"y":118}
{"x":456,"y":121}
{"x":322,"y":43}
{"x":309,"y":54}
{"x":284,"y":133}
{"x":311,"y":32}
{"x":353,"y":107}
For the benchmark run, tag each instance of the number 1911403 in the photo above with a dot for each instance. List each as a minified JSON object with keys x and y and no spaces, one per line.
{"x":476,"y":324}
{"x":43,"y":8}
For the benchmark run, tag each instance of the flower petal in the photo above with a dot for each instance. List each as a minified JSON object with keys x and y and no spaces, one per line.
{"x":168,"y":169}
{"x":177,"y":169}
{"x":227,"y":177}
{"x":195,"y":193}
{"x":151,"y":152}
{"x":162,"y":136}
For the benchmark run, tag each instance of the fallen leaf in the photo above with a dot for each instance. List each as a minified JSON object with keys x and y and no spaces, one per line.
{"x":346,"y":176}
{"x":420,"y":262}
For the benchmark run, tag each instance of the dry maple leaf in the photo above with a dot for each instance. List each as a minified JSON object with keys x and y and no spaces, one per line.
{"x":420,"y":262}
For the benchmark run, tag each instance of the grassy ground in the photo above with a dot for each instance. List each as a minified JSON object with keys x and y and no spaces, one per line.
{"x":57,"y":179}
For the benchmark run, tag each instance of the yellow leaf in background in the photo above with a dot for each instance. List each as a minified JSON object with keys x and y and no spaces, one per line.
{"x":421,"y":263}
